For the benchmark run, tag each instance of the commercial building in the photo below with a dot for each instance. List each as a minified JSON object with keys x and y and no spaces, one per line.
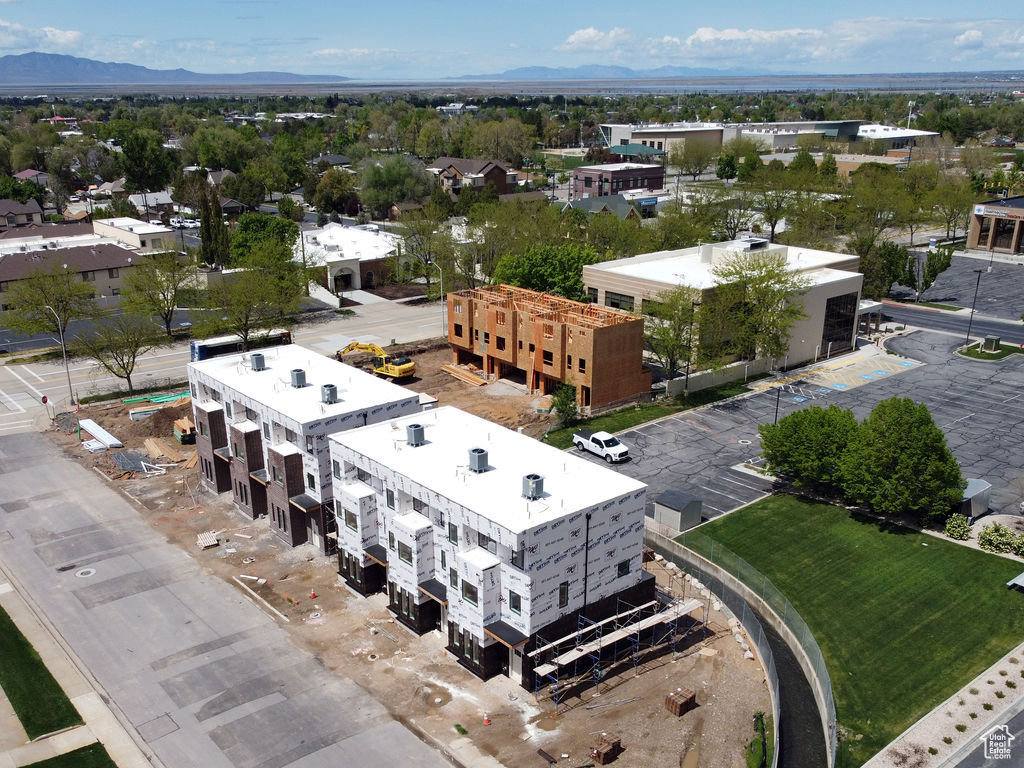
{"x":499,"y":541}
{"x":352,"y":258}
{"x":135,"y":233}
{"x":995,"y":225}
{"x":774,"y":136}
{"x":262,"y":422}
{"x":830,"y":301}
{"x":615,"y":178}
{"x":547,"y":340}
{"x":895,"y":137}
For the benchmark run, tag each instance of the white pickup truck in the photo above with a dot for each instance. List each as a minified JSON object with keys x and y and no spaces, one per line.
{"x":601,"y":444}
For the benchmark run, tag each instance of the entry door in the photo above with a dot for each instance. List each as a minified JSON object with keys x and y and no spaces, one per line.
{"x":515,"y":664}
{"x":315,"y":529}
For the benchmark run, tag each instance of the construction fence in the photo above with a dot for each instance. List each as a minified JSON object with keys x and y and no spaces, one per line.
{"x":704,"y":556}
{"x":684,"y":559}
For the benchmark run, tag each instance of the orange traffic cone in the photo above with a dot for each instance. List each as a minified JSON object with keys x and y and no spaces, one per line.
{"x":487,"y":720}
{"x":312,"y":595}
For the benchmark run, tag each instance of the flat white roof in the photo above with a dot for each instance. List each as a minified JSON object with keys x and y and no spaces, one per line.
{"x":135,"y":226}
{"x":876,"y":131}
{"x":442,"y":465}
{"x":687,"y":266}
{"x":334,"y":242}
{"x":617,"y":167}
{"x":357,"y":390}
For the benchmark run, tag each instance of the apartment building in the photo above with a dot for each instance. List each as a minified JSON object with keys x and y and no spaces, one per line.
{"x":547,"y":340}
{"x":262,"y":422}
{"x":615,"y":178}
{"x":499,"y":541}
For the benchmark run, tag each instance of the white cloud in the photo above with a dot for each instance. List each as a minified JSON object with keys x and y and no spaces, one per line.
{"x":16,"y":36}
{"x":972,"y":38}
{"x":591,"y":39}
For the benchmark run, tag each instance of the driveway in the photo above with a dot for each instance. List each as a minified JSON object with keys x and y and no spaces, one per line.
{"x":204,"y":676}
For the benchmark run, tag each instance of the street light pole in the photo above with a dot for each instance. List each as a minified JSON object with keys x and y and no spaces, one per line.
{"x":689,"y":348}
{"x":64,"y":352}
{"x":970,"y":322}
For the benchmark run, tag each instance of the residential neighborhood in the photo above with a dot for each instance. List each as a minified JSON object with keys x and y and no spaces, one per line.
{"x":567,"y":415}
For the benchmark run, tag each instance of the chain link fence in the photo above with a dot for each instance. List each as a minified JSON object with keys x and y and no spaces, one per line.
{"x":714,"y":552}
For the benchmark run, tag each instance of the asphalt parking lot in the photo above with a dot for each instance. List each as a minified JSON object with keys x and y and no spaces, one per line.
{"x":979,"y":406}
{"x":1000,"y":291}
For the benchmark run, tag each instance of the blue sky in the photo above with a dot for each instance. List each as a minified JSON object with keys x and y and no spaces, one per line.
{"x":423,"y":39}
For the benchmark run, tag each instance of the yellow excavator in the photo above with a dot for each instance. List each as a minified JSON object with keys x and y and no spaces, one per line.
{"x":383,"y":363}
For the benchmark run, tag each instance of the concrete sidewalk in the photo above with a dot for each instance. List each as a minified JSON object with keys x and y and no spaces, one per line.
{"x":100,"y":723}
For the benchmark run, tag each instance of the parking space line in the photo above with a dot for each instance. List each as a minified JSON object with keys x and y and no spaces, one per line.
{"x":721,"y":493}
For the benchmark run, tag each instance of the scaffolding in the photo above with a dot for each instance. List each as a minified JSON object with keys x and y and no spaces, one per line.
{"x":595,"y":645}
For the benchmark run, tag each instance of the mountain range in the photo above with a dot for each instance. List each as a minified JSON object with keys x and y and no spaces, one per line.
{"x":608,"y":72}
{"x":56,"y":69}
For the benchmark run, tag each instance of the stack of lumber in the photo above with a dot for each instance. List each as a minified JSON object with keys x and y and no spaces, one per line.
{"x":157,"y":448}
{"x":463,"y":375}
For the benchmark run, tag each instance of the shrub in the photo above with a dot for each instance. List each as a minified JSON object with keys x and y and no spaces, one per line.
{"x":961,"y":727}
{"x":997,"y":538}
{"x":986,"y":706}
{"x":932,"y":751}
{"x":973,"y":691}
{"x":958,"y":528}
{"x":1010,"y":684}
{"x":1018,"y":545}
{"x":973,"y":715}
{"x":1000,"y":695}
{"x":1002,"y":673}
{"x":947,"y":739}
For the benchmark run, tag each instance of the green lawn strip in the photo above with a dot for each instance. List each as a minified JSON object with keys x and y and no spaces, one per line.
{"x":933,"y":305}
{"x":91,"y":756}
{"x":902,"y":626}
{"x":1005,"y":350}
{"x":38,"y":701}
{"x":633,"y":415}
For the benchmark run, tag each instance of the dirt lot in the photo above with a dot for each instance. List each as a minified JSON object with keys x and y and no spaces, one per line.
{"x":414,"y":676}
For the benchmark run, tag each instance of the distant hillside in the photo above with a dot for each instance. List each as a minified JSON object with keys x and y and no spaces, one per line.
{"x":55,"y":69}
{"x":606,"y":72}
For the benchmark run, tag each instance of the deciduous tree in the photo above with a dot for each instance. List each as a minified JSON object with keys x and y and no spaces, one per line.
{"x":156,"y":283}
{"x":117,"y":343}
{"x":669,"y":328}
{"x":808,"y":445}
{"x":59,"y":288}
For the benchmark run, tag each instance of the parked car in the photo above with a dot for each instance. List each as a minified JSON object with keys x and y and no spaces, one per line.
{"x":600,"y":444}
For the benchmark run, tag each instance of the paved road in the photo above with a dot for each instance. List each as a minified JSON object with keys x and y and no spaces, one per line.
{"x":979,"y":406}
{"x":955,"y":323}
{"x":1000,"y":291}
{"x":204,"y":676}
{"x":23,"y":386}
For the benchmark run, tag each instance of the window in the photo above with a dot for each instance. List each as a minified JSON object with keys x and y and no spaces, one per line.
{"x":618,"y":301}
{"x":623,"y":568}
{"x":549,"y":331}
{"x":563,"y":594}
{"x":476,"y":334}
{"x":227,"y":408}
{"x":453,"y":578}
{"x":515,"y":602}
{"x":202,"y":429}
{"x":499,"y":342}
{"x":115,"y":291}
{"x":519,"y":558}
{"x":418,"y":505}
{"x":266,"y":430}
{"x":276,"y":472}
{"x":457,"y":308}
{"x":458,"y":330}
{"x":362,"y":475}
{"x":235,"y":451}
{"x":336,"y":469}
{"x":309,"y":444}
{"x":500,"y":318}
{"x":487,"y":338}
{"x":486,"y":542}
{"x":520,"y":344}
{"x":588,"y":182}
{"x":289,"y":435}
{"x":470,"y":593}
{"x":89,"y":277}
{"x":548,"y":356}
{"x":404,"y":552}
{"x":3,"y":286}
{"x":350,"y":520}
{"x":444,"y":560}
{"x":112,"y":272}
{"x":391,"y":540}
{"x":532,"y":348}
{"x":453,"y":533}
{"x":310,"y":481}
{"x":389,"y":498}
{"x":583,"y":365}
{"x":592,"y":295}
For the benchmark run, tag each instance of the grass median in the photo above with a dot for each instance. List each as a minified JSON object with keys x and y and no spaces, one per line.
{"x":903,"y":619}
{"x":91,"y":756}
{"x":39,"y":702}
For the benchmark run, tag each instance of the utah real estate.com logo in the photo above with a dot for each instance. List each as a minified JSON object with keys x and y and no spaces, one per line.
{"x":998,"y":742}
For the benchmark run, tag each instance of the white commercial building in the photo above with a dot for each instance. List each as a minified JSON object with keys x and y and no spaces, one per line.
{"x":262,"y":423}
{"x":830,"y":300}
{"x":499,"y":541}
{"x":354,"y":258}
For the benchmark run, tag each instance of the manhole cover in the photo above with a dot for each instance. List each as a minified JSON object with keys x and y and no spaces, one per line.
{"x":743,"y":442}
{"x":248,"y":560}
{"x":85,"y":573}
{"x":315,"y":615}
{"x":372,"y":657}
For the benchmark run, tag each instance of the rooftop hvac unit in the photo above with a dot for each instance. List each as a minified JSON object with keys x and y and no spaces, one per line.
{"x":477,"y":460}
{"x":329,"y":394}
{"x":414,"y":434}
{"x":259,"y":363}
{"x":298,"y":378}
{"x":533,"y":486}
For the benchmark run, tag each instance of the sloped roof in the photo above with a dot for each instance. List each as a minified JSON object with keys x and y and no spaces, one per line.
{"x":465,"y":166}
{"x":8,"y":206}
{"x":83,"y":258}
{"x":614,"y":204}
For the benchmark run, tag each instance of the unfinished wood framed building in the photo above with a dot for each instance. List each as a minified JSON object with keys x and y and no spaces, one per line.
{"x":544,"y":340}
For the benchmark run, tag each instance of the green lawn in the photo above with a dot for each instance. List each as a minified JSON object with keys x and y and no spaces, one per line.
{"x":1005,"y":350}
{"x":902,"y":625}
{"x":92,"y":756}
{"x":35,"y":696}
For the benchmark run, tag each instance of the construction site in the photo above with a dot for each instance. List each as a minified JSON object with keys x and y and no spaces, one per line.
{"x":647,"y":686}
